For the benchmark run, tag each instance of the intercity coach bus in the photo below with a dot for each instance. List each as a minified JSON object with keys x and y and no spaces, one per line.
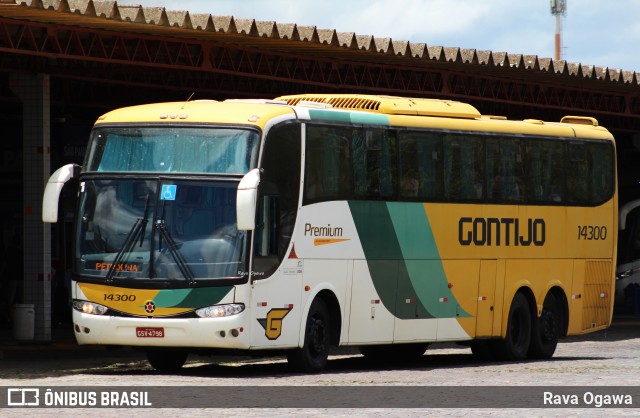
{"x":386,"y":223}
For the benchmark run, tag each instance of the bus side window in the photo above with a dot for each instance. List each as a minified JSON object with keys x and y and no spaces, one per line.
{"x":420,"y":165}
{"x":328,"y":171}
{"x":544,"y":167}
{"x":463,"y":167}
{"x":578,"y":171}
{"x":374,"y":161}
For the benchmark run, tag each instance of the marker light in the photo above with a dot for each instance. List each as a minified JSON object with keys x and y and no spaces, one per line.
{"x":219,"y":311}
{"x":89,"y":307}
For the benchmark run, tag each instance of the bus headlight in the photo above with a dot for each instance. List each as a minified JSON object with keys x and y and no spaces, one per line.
{"x":89,"y":307}
{"x":219,"y":311}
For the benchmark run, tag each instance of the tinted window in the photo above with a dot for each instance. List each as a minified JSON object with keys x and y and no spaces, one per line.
{"x":438,"y":166}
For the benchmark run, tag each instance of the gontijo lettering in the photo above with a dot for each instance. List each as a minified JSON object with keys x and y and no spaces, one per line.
{"x":501,"y":231}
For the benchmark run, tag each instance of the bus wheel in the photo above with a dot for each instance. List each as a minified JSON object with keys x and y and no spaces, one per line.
{"x":313,"y":355}
{"x":396,"y":353}
{"x":167,"y":361}
{"x":483,"y":349}
{"x":546,"y":329}
{"x":516,"y":343}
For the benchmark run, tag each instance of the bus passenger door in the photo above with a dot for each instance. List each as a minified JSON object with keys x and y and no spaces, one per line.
{"x":486,"y":298}
{"x":276,"y":281}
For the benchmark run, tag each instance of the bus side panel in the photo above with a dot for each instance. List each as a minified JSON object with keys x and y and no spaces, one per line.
{"x":324,"y":275}
{"x":457,"y":314}
{"x":277,"y":307}
{"x":369,"y":321}
{"x":546,"y":275}
{"x":486,"y":298}
{"x":575,"y":299}
{"x":500,"y":305}
{"x":591,"y":299}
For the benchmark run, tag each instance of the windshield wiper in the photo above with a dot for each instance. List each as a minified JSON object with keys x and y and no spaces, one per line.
{"x":139,"y":226}
{"x":175,"y":252}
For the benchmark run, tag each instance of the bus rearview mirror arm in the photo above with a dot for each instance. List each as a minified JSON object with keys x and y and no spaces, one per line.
{"x":53,"y":188}
{"x":246,"y":200}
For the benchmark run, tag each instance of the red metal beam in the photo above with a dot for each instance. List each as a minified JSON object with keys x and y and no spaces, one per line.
{"x":180,"y":64}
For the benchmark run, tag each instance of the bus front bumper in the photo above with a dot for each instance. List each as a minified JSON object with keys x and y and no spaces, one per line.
{"x":228,"y":333}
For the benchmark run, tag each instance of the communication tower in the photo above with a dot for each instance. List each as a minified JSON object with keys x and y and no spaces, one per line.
{"x":559,"y":10}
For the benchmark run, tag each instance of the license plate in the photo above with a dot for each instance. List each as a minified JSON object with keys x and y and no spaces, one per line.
{"x":147,"y":332}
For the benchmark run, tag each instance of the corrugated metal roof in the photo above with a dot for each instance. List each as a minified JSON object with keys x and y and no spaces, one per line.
{"x":109,"y":15}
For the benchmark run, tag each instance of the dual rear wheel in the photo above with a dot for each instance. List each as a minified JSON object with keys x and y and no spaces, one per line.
{"x":527,"y":335}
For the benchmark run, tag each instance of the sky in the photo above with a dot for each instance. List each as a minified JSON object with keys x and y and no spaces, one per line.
{"x":594,"y":32}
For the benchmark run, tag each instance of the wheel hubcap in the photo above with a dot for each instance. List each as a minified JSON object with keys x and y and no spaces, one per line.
{"x":318,"y":336}
{"x":548,"y":325}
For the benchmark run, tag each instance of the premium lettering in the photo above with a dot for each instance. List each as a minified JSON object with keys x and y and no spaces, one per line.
{"x":322,"y":231}
{"x":501,"y":232}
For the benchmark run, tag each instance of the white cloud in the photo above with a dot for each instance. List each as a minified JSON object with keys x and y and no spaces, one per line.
{"x":414,"y":20}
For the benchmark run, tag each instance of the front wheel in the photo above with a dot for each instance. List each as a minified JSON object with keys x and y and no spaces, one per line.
{"x":546,"y":329}
{"x":312,"y":356}
{"x":167,"y":361}
{"x":516,"y":343}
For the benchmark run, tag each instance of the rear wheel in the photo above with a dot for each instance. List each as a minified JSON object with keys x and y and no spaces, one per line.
{"x":313,"y":355}
{"x":546,"y":329}
{"x":167,"y":361}
{"x":516,"y":343}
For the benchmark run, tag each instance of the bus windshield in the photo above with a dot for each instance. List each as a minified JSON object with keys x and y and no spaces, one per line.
{"x":160,"y":229}
{"x":172,"y":150}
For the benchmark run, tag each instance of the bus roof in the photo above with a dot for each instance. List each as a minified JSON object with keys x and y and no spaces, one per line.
{"x":441,"y":114}
{"x":356,"y":108}
{"x":249,"y":112}
{"x":390,"y":105}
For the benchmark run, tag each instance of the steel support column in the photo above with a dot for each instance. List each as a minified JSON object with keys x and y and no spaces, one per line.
{"x":33,"y":91}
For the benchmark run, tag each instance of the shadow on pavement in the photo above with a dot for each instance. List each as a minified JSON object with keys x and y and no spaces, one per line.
{"x":62,"y":356}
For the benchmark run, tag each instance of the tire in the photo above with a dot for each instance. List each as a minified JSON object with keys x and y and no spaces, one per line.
{"x":313,"y":355}
{"x":394,"y":353}
{"x":484,"y":350}
{"x":167,"y":361}
{"x":545,"y":331}
{"x":515,"y":345}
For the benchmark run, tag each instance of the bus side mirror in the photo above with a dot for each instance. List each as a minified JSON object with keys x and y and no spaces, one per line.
{"x":53,"y":188}
{"x":246,"y":200}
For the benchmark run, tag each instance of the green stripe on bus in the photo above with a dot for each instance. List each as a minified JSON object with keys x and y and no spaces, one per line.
{"x":348,"y":117}
{"x":191,"y":298}
{"x":422,"y":259}
{"x":385,"y":260}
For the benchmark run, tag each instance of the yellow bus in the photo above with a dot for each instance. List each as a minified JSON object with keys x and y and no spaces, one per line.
{"x":309,"y":221}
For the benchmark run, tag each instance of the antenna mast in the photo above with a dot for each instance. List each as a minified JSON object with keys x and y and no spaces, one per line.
{"x":559,"y":10}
